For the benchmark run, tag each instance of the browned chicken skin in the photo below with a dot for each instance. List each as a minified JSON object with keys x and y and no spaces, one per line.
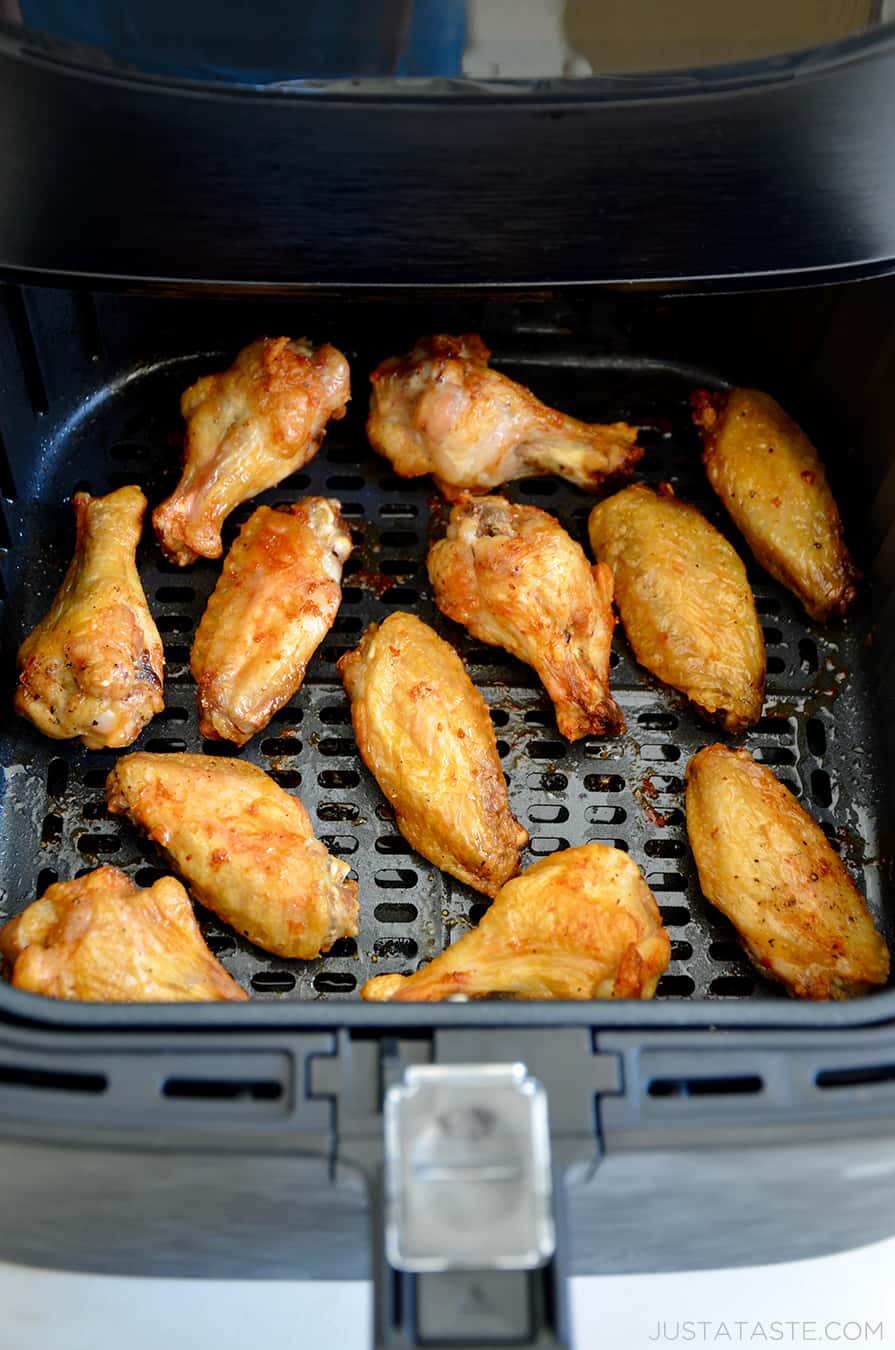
{"x":244,"y":846}
{"x":101,"y":939}
{"x":579,"y":924}
{"x":93,"y":667}
{"x":441,"y":410}
{"x":684,"y":600}
{"x":425,"y":734}
{"x":513,"y":577}
{"x":770,"y":478}
{"x":772,"y":871}
{"x":276,"y":599}
{"x":248,"y":428}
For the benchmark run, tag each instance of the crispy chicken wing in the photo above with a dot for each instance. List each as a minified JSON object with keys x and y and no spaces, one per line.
{"x":245,"y":847}
{"x":248,"y":428}
{"x":93,"y":667}
{"x":769,"y":476}
{"x":441,"y":410}
{"x":772,"y":871}
{"x":101,"y":939}
{"x":579,"y":924}
{"x":514,"y":578}
{"x":684,"y":600}
{"x":425,"y":734}
{"x":275,"y":601}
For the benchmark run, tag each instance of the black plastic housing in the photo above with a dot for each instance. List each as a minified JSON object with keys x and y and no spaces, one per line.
{"x":759,"y":172}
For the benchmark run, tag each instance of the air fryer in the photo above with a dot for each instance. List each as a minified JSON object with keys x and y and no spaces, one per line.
{"x":619,"y":236}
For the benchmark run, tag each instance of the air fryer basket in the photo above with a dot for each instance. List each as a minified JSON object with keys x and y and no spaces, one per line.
{"x":92,"y":401}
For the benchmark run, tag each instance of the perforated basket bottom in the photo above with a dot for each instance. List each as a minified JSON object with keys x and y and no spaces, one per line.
{"x":817,"y":731}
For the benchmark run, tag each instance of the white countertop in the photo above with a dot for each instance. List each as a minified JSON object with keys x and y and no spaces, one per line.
{"x":835,"y":1301}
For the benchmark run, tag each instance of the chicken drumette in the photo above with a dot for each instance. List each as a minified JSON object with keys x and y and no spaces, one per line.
{"x":100,"y":939}
{"x":248,"y":428}
{"x":579,"y":924}
{"x":425,"y":734}
{"x":441,"y":410}
{"x":771,"y":480}
{"x":513,"y":577}
{"x":245,"y":847}
{"x":684,"y":600}
{"x":275,"y":601}
{"x":93,"y":667}
{"x":766,"y":865}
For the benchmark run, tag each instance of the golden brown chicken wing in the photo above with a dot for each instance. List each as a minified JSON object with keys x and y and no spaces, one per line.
{"x":248,"y":428}
{"x":245,"y":847}
{"x":425,"y":734}
{"x":93,"y":667}
{"x":101,"y":939}
{"x":580,"y":924}
{"x":684,"y":600}
{"x":441,"y":410}
{"x":275,"y":601}
{"x":773,"y":872}
{"x":769,"y":476}
{"x":514,"y":578}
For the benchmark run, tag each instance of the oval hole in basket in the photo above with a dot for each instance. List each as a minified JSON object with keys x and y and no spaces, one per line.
{"x":393,"y":844}
{"x":273,"y":981}
{"x":334,"y":982}
{"x":386,"y":948}
{"x":338,"y":778}
{"x":396,"y":878}
{"x":338,"y":811}
{"x":546,"y":813}
{"x":816,"y":736}
{"x":98,"y":843}
{"x":675,"y":986}
{"x":393,"y":912}
{"x":821,"y":787}
{"x":664,"y":848}
{"x":274,"y":746}
{"x":732,"y":986}
{"x":605,"y":815}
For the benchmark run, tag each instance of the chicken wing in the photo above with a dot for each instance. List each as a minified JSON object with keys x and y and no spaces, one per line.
{"x":684,"y":600}
{"x":244,"y":846}
{"x":514,"y":578}
{"x":770,"y":478}
{"x":772,"y":871}
{"x":425,"y":734}
{"x":441,"y":410}
{"x":93,"y":667}
{"x":101,"y":939}
{"x":579,"y":924}
{"x":275,"y":601}
{"x":248,"y":428}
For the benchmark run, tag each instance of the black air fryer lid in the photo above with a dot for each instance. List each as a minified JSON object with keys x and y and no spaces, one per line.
{"x":370,"y":143}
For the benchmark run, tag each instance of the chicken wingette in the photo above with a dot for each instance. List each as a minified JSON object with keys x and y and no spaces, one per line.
{"x":772,"y":871}
{"x":684,"y":601}
{"x":276,"y":599}
{"x":101,"y":939}
{"x":513,"y":577}
{"x":771,"y":480}
{"x":244,"y":846}
{"x":424,"y":733}
{"x":579,"y":924}
{"x":94,"y":665}
{"x":441,"y":410}
{"x":247,"y":429}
